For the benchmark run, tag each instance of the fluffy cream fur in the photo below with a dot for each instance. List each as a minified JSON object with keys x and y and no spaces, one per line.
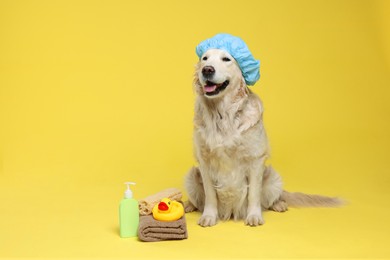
{"x":231,"y":148}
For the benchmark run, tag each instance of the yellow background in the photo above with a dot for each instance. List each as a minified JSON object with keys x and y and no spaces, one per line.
{"x":95,"y":93}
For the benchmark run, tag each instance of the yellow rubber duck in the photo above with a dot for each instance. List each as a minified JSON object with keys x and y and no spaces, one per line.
{"x":168,"y":210}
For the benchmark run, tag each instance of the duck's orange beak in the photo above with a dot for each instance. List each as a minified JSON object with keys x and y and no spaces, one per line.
{"x":163,"y":206}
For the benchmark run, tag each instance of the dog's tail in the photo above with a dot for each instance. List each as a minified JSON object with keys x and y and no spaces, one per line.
{"x":297,"y":199}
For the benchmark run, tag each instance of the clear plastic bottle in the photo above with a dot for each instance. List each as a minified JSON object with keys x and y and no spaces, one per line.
{"x":128,"y":214}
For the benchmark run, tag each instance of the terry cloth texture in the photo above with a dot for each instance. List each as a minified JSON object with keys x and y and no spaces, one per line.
{"x":146,"y":205}
{"x":151,"y":230}
{"x":250,"y":67}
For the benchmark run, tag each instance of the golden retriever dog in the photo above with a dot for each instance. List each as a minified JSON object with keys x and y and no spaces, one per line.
{"x":231,"y":148}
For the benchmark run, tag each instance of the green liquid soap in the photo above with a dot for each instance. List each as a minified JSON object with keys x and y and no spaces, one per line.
{"x":128,"y":214}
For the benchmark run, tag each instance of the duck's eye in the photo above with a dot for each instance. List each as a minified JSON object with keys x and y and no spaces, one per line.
{"x":226,"y":59}
{"x":204,"y":58}
{"x":169,"y":203}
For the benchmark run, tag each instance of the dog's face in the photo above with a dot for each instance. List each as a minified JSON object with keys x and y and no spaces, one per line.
{"x":217,"y":74}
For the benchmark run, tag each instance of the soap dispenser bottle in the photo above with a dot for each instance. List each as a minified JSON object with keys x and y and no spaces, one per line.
{"x":128,"y":214}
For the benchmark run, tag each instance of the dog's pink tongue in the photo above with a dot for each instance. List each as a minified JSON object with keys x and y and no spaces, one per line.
{"x":210,"y":88}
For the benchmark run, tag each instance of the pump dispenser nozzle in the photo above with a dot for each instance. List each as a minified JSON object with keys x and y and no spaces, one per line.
{"x":128,"y":192}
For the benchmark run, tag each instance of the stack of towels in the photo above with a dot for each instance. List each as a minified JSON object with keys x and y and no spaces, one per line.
{"x":150,"y":229}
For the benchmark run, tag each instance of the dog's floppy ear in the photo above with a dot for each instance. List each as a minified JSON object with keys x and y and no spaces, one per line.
{"x":196,"y":83}
{"x":243,"y":83}
{"x":244,"y":90}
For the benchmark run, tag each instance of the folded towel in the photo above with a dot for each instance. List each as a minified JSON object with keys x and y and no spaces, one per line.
{"x":151,"y":230}
{"x":146,"y":205}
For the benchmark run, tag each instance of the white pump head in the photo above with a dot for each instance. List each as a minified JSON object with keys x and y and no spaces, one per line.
{"x":128,"y":192}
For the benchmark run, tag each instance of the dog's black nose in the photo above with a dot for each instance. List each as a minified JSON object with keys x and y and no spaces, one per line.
{"x":208,"y":71}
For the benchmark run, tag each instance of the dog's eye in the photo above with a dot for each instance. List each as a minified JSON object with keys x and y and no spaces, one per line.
{"x":204,"y":58}
{"x":226,"y":59}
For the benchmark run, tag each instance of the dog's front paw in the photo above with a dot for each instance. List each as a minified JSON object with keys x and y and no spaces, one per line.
{"x":207,"y":221}
{"x":254,"y":220}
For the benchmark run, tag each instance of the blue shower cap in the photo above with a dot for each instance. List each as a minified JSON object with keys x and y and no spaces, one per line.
{"x":250,"y":67}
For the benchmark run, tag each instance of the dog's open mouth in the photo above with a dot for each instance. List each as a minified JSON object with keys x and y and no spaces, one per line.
{"x":212,"y":88}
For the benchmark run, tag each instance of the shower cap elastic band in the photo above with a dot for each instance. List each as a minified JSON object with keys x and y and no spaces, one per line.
{"x":250,"y":67}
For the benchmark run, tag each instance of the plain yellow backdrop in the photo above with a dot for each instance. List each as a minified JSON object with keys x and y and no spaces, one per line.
{"x":95,"y":93}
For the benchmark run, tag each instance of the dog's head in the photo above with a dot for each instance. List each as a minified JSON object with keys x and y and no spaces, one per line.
{"x":217,"y":74}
